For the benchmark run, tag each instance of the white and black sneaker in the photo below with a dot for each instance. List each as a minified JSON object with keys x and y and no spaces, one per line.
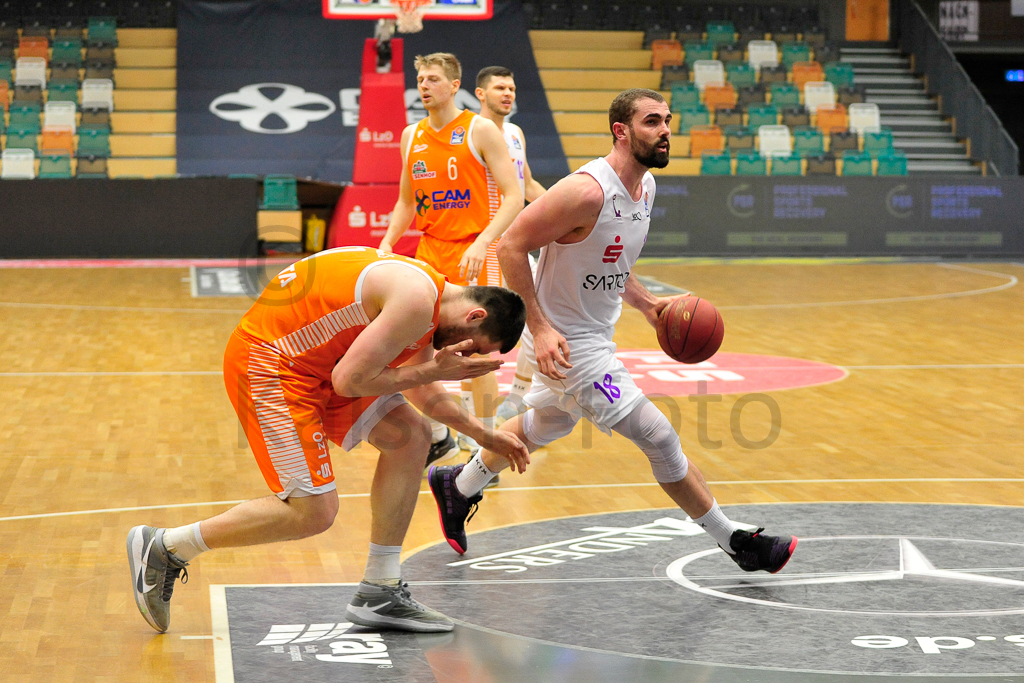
{"x":392,"y":607}
{"x":442,"y":450}
{"x":154,"y":570}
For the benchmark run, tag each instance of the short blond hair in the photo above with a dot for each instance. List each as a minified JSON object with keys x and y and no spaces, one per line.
{"x":448,"y":62}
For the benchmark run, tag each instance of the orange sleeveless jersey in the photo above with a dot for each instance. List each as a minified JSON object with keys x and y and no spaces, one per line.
{"x":456,"y":197}
{"x":312,"y":311}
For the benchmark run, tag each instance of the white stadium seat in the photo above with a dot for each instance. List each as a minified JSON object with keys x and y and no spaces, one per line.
{"x":774,"y":141}
{"x":819,"y":94}
{"x":18,"y":164}
{"x":708,"y":72}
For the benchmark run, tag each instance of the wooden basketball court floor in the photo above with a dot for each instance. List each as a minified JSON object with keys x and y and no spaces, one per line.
{"x":113,"y":413}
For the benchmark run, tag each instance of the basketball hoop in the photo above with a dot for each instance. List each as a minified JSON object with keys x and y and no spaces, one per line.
{"x":409,"y":14}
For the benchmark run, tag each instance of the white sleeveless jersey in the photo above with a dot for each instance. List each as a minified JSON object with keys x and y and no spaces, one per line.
{"x":579,"y":286}
{"x":516,"y":144}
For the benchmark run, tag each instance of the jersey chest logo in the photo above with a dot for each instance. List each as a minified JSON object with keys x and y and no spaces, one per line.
{"x":458,"y":136}
{"x":613,"y":251}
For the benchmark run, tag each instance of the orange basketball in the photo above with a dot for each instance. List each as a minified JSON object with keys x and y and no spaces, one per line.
{"x":690,"y":329}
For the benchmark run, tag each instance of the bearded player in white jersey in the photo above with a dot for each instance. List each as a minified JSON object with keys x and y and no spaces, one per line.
{"x":591,"y":227}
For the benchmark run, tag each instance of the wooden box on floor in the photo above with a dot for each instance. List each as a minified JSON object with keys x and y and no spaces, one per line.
{"x":279,"y":226}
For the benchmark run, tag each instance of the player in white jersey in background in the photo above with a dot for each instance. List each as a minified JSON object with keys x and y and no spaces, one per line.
{"x":496,"y":90}
{"x":591,"y":227}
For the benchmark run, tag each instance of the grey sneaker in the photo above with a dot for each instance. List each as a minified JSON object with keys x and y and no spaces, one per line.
{"x":508,"y":409}
{"x":468,"y":443}
{"x":154,"y":571}
{"x":392,"y":607}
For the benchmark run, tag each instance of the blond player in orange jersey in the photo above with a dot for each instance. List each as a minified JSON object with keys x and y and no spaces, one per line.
{"x":323,"y":355}
{"x":459,"y":183}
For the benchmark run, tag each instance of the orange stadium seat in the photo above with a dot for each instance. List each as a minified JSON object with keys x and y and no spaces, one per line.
{"x":705,"y":138}
{"x":832,"y":119}
{"x":34,"y":47}
{"x":666,"y":53}
{"x":5,"y":96}
{"x":58,"y":138}
{"x":805,"y":72}
{"x":720,"y":96}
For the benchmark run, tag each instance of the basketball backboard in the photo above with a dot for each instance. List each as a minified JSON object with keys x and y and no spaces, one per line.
{"x":385,"y":9}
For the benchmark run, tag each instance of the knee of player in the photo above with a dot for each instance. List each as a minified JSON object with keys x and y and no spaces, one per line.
{"x":319,"y":517}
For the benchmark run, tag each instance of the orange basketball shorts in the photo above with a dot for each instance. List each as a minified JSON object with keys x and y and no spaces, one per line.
{"x":444,"y":257}
{"x":288,"y":418}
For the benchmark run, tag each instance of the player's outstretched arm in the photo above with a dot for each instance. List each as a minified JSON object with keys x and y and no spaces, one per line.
{"x":406,"y":307}
{"x":405,"y":208}
{"x":566,"y":213}
{"x":491,"y":145}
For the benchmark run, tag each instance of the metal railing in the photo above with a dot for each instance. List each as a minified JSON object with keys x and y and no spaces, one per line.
{"x":961,"y":99}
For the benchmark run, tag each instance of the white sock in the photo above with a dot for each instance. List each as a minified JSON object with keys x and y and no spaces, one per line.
{"x":438,"y":431}
{"x":718,"y":526}
{"x":383,"y":566}
{"x":523,"y":378}
{"x":186,"y":542}
{"x":473,"y":477}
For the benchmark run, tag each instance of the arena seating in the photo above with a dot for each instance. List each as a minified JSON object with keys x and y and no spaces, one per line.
{"x":721,"y":67}
{"x":88,"y":96}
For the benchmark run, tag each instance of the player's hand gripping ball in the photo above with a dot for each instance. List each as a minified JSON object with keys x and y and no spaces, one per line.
{"x":690,"y":329}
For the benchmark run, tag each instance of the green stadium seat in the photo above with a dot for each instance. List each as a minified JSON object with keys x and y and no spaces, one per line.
{"x":878,"y":142}
{"x":684,"y":94}
{"x":696,"y":52}
{"x":280,"y":193}
{"x":750,"y":163}
{"x":696,"y":115}
{"x":67,"y":51}
{"x":740,"y":74}
{"x":795,"y":52}
{"x":856,"y":163}
{"x":785,"y":95}
{"x":787,"y":165}
{"x":102,"y":31}
{"x":763,"y":115}
{"x":715,"y":163}
{"x":839,"y":74}
{"x":22,"y":138}
{"x":54,"y":164}
{"x":7,"y":72}
{"x":808,"y":142}
{"x":25,"y":115}
{"x":721,"y":33}
{"x":93,"y":141}
{"x":893,"y":162}
{"x":62,"y":91}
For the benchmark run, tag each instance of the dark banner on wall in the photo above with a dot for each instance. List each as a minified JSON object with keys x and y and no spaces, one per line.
{"x":902,"y":216}
{"x":270,"y":86}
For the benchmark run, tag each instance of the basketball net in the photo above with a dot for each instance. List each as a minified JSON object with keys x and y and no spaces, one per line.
{"x":410,"y":14}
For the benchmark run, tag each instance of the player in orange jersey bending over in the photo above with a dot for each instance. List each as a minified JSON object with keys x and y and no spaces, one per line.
{"x":320,"y":356}
{"x":460,"y":184}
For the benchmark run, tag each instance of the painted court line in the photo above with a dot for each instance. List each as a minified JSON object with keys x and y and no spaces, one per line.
{"x":144,"y":263}
{"x":1011,"y":281}
{"x":129,"y":309}
{"x":500,"y":489}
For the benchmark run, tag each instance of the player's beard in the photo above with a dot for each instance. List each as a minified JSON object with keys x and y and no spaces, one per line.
{"x":497,"y":107}
{"x":447,"y":335}
{"x":648,"y":154}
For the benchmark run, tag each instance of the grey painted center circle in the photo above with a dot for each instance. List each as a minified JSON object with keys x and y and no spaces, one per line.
{"x":872,"y":588}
